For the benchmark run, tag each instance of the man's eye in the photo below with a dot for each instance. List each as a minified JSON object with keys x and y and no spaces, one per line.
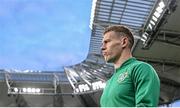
{"x":106,"y":41}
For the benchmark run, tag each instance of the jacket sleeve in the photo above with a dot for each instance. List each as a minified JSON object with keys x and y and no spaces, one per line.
{"x":147,"y":85}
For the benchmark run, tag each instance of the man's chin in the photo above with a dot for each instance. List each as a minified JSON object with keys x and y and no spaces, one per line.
{"x":108,"y":60}
{"x":105,"y":58}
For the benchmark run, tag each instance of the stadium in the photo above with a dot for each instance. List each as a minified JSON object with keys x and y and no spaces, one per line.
{"x":157,"y":39}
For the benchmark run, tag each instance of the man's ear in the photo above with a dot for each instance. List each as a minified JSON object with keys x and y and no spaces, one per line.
{"x":124,"y":42}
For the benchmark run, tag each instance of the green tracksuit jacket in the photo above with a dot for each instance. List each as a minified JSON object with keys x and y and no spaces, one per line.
{"x":134,"y":84}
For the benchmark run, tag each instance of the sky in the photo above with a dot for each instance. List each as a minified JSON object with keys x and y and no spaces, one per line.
{"x":175,"y":104}
{"x":44,"y":34}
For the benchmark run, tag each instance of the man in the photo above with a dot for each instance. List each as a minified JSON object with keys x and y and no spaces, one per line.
{"x":134,"y":83}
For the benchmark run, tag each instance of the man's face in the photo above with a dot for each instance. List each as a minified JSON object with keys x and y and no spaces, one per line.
{"x":111,"y":47}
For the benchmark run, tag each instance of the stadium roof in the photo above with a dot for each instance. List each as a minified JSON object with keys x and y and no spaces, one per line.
{"x":132,"y":13}
{"x":33,"y":76}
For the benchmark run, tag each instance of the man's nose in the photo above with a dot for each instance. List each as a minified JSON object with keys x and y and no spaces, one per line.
{"x":103,"y":47}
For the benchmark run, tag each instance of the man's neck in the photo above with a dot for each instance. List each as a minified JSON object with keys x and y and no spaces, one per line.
{"x":124,"y":56}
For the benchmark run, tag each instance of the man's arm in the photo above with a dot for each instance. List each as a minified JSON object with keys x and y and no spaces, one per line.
{"x":147,"y":85}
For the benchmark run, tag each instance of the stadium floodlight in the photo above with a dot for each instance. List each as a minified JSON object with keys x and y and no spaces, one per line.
{"x":102,"y":85}
{"x":161,"y":4}
{"x":153,"y":22}
{"x":16,"y":90}
{"x":159,"y":9}
{"x":83,"y":87}
{"x":37,"y":90}
{"x":95,"y":86}
{"x":157,"y":14}
{"x":89,"y":79}
{"x":33,"y":90}
{"x":87,"y":87}
{"x":29,"y":90}
{"x":24,"y":90}
{"x":150,"y":26}
{"x":154,"y":18}
{"x":77,"y":90}
{"x":98,"y":85}
{"x":145,"y":35}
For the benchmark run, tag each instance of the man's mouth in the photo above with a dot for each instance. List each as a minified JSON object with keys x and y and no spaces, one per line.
{"x":105,"y":53}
